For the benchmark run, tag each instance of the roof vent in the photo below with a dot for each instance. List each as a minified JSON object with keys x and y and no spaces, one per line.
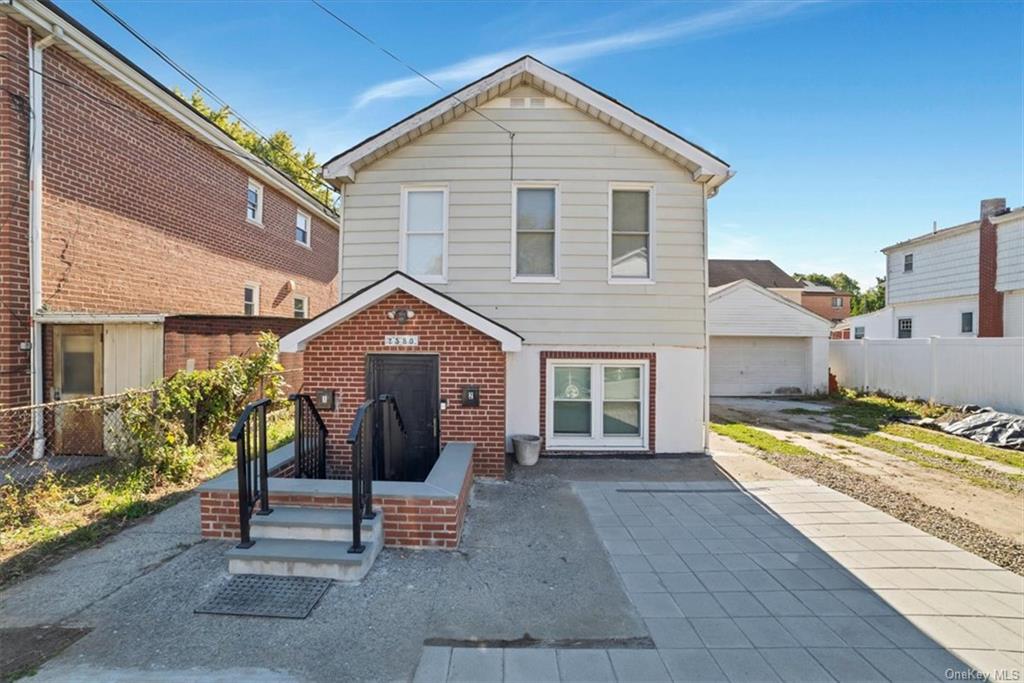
{"x":517,"y":102}
{"x":537,"y":102}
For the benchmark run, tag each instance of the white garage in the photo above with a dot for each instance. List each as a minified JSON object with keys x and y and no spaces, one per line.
{"x":763,"y":344}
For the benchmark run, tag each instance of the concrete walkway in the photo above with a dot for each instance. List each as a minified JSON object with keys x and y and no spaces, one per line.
{"x":780,"y":580}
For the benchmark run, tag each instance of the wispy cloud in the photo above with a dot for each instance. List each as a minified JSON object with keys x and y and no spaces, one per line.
{"x":712,"y":22}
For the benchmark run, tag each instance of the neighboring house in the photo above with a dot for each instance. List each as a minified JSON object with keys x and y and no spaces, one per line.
{"x":761,"y":272}
{"x":763,"y":343}
{"x":138,"y":238}
{"x":1010,"y":269}
{"x":944,"y":283}
{"x":825,"y":301}
{"x":552,"y":283}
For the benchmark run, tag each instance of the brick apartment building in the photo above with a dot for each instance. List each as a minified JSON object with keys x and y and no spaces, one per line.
{"x":136,"y":238}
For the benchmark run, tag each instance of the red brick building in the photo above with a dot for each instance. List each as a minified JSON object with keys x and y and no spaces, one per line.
{"x":826,"y":301}
{"x":136,"y":238}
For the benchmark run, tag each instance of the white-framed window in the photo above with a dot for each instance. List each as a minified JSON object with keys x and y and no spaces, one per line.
{"x":300,"y":307}
{"x":908,"y":263}
{"x":630,"y":233}
{"x":423,"y":250}
{"x":905,"y":328}
{"x":837,"y":302}
{"x":251,"y":299}
{"x":535,"y":232}
{"x":967,"y":322}
{"x":597,"y":404}
{"x":858,"y":333}
{"x":254,"y":202}
{"x":303,"y":223}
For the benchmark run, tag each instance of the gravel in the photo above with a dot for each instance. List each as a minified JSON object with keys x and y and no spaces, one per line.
{"x":904,"y":507}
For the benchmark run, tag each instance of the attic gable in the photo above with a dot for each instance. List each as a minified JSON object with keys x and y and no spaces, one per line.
{"x":557,"y":89}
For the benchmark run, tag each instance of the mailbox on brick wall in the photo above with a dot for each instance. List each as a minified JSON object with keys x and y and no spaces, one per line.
{"x":471,"y":396}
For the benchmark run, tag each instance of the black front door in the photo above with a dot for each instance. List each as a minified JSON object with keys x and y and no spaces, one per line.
{"x":413,"y":380}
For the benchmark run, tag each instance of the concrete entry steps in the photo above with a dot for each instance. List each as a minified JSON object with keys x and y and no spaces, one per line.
{"x":295,"y":541}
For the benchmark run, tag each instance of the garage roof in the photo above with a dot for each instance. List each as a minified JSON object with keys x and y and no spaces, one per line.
{"x":759,"y":271}
{"x":744,"y":308}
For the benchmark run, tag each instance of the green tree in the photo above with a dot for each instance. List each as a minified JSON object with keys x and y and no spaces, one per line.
{"x":278,"y":150}
{"x":839,"y":281}
{"x":871,"y":300}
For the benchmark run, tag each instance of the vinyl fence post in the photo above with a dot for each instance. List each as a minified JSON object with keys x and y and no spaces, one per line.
{"x":933,"y":379}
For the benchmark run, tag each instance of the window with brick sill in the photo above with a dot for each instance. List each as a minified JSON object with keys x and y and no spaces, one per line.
{"x":597,"y":404}
{"x":251,"y":300}
{"x":302,"y":223}
{"x":300,"y":307}
{"x":254,"y":203}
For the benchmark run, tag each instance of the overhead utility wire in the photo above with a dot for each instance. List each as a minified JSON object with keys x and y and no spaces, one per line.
{"x":428,"y":79}
{"x":197,"y":83}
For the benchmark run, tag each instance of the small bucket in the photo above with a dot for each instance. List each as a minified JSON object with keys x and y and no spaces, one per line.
{"x":526,"y":448}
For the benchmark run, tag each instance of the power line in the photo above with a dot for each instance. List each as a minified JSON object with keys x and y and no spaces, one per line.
{"x":198,"y":84}
{"x":428,"y":79}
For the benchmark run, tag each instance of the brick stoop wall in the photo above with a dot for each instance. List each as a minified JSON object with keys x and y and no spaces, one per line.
{"x":337,"y":360}
{"x":409,"y":522}
{"x":652,"y":361}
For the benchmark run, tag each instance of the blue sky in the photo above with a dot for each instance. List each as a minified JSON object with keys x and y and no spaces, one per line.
{"x":850,"y":125}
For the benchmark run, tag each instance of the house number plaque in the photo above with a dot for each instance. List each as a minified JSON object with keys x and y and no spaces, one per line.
{"x":401,"y":340}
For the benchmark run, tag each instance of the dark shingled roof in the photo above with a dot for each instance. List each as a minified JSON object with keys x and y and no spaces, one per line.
{"x":760,"y":272}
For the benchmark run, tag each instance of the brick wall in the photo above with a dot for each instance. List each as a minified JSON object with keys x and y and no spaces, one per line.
{"x":337,"y":360}
{"x":652,"y":361}
{"x":15,"y":321}
{"x":821,"y":303}
{"x":408,"y":522}
{"x":138,"y":217}
{"x":990,"y":301}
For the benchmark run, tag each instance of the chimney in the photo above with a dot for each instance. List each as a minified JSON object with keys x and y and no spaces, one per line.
{"x":990,"y":302}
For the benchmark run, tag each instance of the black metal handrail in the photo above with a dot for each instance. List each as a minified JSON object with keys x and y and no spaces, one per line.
{"x":250,"y":438}
{"x":377,"y":430}
{"x":310,"y":441}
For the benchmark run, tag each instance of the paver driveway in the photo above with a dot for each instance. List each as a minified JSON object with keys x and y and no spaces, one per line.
{"x":777,"y":580}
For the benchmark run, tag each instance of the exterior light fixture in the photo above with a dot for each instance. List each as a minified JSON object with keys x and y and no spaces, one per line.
{"x":402,"y":315}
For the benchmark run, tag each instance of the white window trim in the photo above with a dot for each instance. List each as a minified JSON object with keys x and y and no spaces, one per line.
{"x":651,"y":278}
{"x":256,"y":298}
{"x":905,"y":317}
{"x":305,"y":306}
{"x":556,"y":278}
{"x":974,"y":322}
{"x":259,"y":203}
{"x":911,"y":269}
{"x":861,"y":328}
{"x":309,"y":228}
{"x":599,"y":441}
{"x":403,"y":232}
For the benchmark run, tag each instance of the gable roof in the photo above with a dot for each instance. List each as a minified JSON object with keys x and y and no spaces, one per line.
{"x":80,"y":42}
{"x":722,"y":291}
{"x":758,"y":271}
{"x":399,"y":282}
{"x":939,"y":234}
{"x":528,"y":70}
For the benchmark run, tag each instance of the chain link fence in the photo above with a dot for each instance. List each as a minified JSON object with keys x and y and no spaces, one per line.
{"x":65,"y":436}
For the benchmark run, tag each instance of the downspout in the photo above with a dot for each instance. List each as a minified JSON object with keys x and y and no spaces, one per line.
{"x":707,"y":333}
{"x":35,"y":214}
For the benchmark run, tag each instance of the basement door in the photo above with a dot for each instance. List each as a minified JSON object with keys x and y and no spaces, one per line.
{"x":413,"y":379}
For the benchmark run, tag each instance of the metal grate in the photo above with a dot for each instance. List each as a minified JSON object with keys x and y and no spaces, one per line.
{"x":251,"y":595}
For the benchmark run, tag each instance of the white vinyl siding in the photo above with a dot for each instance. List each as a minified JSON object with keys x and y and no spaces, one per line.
{"x":745,"y":310}
{"x":1010,"y":255}
{"x":943,"y":268}
{"x":552,"y":144}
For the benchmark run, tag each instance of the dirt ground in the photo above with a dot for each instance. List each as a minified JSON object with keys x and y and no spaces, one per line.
{"x":996,"y":510}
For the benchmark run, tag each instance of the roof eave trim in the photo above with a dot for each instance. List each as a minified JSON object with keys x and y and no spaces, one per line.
{"x":940,"y":235}
{"x":297,"y":339}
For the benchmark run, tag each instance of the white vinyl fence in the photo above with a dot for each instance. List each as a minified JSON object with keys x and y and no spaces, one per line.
{"x":986,"y":372}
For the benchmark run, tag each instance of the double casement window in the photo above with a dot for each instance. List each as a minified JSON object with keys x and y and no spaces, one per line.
{"x":423,"y":251}
{"x":254,"y":203}
{"x":300,"y":307}
{"x":904,"y":328}
{"x":302,"y":223}
{"x":597,"y":404}
{"x":630,"y":233}
{"x":535,"y":233}
{"x":251,"y":300}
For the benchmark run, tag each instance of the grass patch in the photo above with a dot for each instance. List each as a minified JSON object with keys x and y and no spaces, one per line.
{"x":62,"y":513}
{"x":760,"y":439}
{"x":873,"y":412}
{"x":956,"y":444}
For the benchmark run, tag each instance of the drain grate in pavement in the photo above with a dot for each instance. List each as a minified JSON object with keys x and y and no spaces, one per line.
{"x":250,"y":595}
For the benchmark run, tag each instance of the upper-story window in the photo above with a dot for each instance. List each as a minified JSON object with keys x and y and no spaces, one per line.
{"x":254,"y":202}
{"x":251,"y":300}
{"x":535,"y":252}
{"x":300,"y":307}
{"x":858,"y":333}
{"x":302,"y":223}
{"x":423,"y":252}
{"x":904,"y":328}
{"x":837,"y":302}
{"x":631,"y":255}
{"x":908,"y":263}
{"x":967,"y":322}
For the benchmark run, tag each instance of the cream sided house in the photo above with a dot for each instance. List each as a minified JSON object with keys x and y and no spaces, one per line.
{"x":528,"y":256}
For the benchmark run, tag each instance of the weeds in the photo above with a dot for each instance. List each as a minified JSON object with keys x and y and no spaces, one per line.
{"x":760,"y":440}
